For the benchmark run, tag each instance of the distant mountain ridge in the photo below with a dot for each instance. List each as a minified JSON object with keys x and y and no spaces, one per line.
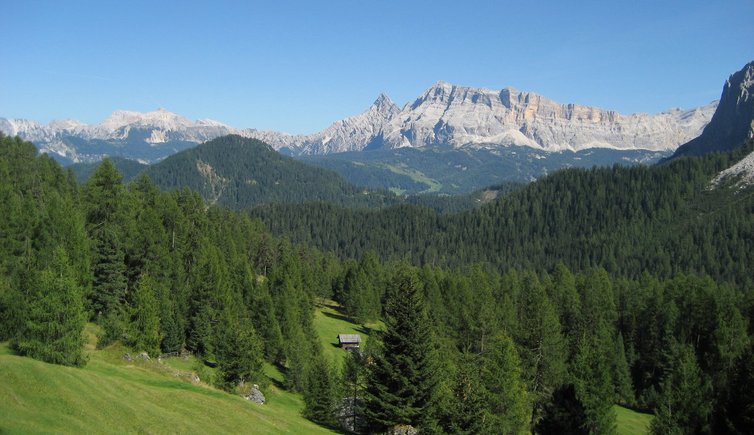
{"x":447,"y":114}
{"x":144,"y":137}
{"x":443,"y":115}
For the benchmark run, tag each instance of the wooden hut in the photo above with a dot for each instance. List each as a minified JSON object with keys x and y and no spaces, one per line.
{"x":349,"y":341}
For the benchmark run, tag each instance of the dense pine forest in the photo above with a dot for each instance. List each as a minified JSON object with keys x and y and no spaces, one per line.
{"x":662,"y":220}
{"x":535,"y":313}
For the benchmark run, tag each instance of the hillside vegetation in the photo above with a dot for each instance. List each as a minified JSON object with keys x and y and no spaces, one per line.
{"x":237,"y":172}
{"x":629,"y":220}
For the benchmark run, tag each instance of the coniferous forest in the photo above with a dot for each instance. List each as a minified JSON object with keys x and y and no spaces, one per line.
{"x":535,"y":313}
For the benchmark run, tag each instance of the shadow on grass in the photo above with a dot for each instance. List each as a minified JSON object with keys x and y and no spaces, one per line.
{"x":276,"y":382}
{"x":338,"y":316}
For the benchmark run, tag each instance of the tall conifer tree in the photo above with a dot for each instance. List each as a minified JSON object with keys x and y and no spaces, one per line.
{"x":401,"y":381}
{"x":54,"y":318}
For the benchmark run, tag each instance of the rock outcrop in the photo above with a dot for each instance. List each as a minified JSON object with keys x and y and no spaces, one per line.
{"x":733,"y":121}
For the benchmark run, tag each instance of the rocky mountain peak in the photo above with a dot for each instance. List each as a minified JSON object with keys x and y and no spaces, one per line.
{"x":383,"y":104}
{"x":733,"y":121}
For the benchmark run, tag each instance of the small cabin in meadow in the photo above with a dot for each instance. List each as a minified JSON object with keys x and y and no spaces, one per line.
{"x":349,"y":341}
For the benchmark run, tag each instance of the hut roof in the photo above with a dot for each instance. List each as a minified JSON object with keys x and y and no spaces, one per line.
{"x":349,"y":338}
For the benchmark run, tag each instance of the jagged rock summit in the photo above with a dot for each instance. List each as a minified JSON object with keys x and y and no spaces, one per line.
{"x":458,"y":116}
{"x":443,"y":115}
{"x":733,"y":121}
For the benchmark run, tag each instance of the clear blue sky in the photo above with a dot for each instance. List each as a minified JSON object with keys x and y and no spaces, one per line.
{"x":298,"y":66}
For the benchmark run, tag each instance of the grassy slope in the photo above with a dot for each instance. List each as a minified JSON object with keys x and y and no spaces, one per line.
{"x":631,"y":422}
{"x":329,"y":322}
{"x":111,"y":395}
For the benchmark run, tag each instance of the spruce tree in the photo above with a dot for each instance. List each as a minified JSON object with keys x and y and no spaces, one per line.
{"x":504,"y":391}
{"x":319,"y":392}
{"x":211,"y":287}
{"x":684,"y":405}
{"x":563,"y":413}
{"x":237,"y":349}
{"x":401,"y":380}
{"x":540,"y":343}
{"x":351,"y":409}
{"x":145,"y":333}
{"x":594,"y":387}
{"x":624,"y":392}
{"x":109,"y":286}
{"x":103,"y":196}
{"x":53,"y":316}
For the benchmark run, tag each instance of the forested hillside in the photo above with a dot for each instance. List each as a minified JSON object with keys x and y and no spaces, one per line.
{"x":545,"y":335}
{"x":129,"y":169}
{"x":630,"y":220}
{"x":238,"y":172}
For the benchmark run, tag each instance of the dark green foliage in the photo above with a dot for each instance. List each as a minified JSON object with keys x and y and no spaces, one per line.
{"x":350,"y":411}
{"x":467,"y":413}
{"x":172,"y":331}
{"x":539,"y":341}
{"x":661,"y":220}
{"x":109,"y":272}
{"x":103,"y":195}
{"x":238,"y":350}
{"x":362,"y":288}
{"x":53,"y":316}
{"x":684,"y":406}
{"x":319,"y":392}
{"x":735,"y":409}
{"x":128,"y":168}
{"x":594,"y":384}
{"x":507,"y":403}
{"x":211,"y":289}
{"x":239,"y":173}
{"x":621,"y":375}
{"x":401,"y":380}
{"x":145,"y":335}
{"x":563,"y":414}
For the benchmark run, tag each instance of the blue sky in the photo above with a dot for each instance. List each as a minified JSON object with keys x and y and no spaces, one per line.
{"x":297,"y":66}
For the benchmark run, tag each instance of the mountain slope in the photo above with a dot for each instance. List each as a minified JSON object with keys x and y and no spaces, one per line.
{"x":741,"y":174}
{"x":660,"y":220}
{"x":449,"y":170}
{"x":733,"y":121}
{"x":129,"y":169}
{"x":239,"y":172}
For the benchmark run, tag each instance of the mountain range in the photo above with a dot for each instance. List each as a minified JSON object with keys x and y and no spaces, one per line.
{"x":444,"y":115}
